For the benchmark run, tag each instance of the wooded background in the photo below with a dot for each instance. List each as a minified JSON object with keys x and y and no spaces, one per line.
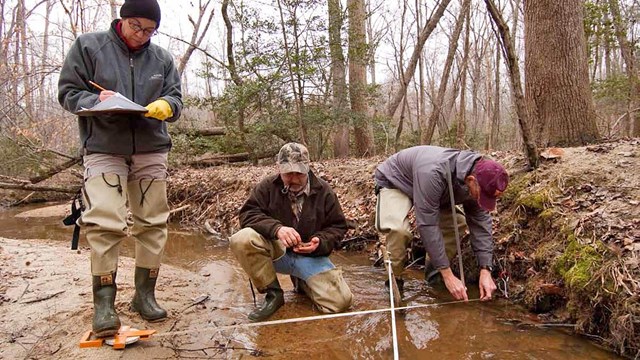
{"x":347,"y":78}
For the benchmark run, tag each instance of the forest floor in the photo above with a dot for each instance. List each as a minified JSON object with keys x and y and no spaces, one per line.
{"x":567,"y":244}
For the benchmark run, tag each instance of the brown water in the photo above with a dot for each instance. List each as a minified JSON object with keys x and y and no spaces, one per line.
{"x":449,"y":331}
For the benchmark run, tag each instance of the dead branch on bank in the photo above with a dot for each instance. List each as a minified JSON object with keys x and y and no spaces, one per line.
{"x":67,"y":190}
{"x":216,"y":131}
{"x":43,"y":298}
{"x":223,"y":159}
{"x":55,"y":170}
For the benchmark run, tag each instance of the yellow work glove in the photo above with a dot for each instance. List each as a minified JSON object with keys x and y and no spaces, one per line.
{"x":159,"y":109}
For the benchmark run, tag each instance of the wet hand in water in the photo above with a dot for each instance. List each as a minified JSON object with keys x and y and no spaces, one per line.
{"x":307,"y":248}
{"x":454,"y":285}
{"x":105,"y":94}
{"x":288,"y":236}
{"x":487,"y":286}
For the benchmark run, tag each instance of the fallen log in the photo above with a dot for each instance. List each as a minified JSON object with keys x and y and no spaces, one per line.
{"x":54,"y":170}
{"x":216,"y":131}
{"x":214,"y":160}
{"x":68,"y":190}
{"x":222,"y":159}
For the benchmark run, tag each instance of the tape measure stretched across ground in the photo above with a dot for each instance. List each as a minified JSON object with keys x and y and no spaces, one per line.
{"x":309,"y":318}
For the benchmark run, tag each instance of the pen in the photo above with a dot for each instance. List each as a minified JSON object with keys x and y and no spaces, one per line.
{"x":97,"y":86}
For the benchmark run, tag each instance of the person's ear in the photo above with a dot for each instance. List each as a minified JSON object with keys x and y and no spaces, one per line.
{"x":471,"y":179}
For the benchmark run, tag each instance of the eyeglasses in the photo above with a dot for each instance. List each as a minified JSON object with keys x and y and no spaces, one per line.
{"x":137,"y":27}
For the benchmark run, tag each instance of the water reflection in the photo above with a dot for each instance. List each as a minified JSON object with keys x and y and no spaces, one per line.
{"x":457,"y":331}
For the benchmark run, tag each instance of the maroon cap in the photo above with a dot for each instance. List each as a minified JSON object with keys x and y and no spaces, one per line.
{"x":491,"y":176}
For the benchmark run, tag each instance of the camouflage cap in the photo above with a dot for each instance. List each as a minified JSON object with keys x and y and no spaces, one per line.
{"x":293,"y":157}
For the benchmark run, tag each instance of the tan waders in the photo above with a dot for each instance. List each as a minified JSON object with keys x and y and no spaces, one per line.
{"x":256,"y":255}
{"x":328,"y":291}
{"x":105,"y":221}
{"x":105,"y":197}
{"x":392,"y":209}
{"x":150,"y":209}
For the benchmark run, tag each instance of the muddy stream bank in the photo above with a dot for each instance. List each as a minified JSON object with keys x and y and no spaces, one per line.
{"x":35,"y":262}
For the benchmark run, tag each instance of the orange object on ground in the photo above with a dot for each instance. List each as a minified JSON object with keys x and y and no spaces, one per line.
{"x":119,"y":341}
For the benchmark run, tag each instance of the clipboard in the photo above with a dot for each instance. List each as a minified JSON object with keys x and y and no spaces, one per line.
{"x":115,"y":104}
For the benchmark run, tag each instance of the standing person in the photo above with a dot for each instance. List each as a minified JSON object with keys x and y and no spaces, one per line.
{"x":418,"y":177}
{"x":290,"y":224}
{"x":124,"y":155}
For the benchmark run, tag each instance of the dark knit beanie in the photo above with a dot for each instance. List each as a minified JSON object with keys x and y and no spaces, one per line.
{"x":148,"y":9}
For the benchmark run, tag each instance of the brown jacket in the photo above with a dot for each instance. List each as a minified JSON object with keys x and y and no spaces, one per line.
{"x":268,"y":208}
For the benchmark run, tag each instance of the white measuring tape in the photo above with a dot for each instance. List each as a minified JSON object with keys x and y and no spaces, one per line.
{"x":308,"y":318}
{"x":393,"y":311}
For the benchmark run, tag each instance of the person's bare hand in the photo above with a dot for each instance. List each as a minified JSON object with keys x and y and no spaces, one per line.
{"x":104,"y":95}
{"x":454,"y":285}
{"x":486,"y":284}
{"x":308,"y":247}
{"x":288,"y":236}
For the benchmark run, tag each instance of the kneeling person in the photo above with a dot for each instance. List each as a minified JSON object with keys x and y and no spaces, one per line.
{"x":290,"y":224}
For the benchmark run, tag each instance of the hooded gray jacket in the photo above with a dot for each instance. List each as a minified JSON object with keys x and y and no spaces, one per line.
{"x":420,"y":173}
{"x":143,"y":76}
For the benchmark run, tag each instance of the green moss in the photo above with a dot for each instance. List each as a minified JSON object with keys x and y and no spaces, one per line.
{"x":535,"y":202}
{"x":516,"y":186}
{"x":547,"y":214}
{"x":577,"y":264}
{"x":543,"y":253}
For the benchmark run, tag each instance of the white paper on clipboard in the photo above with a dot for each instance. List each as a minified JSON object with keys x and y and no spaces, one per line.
{"x":115,"y":104}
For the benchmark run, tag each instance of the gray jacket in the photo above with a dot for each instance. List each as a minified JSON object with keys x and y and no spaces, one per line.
{"x":420,"y":173}
{"x":143,"y":76}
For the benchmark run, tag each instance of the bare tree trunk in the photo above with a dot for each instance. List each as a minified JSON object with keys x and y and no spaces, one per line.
{"x":514,"y":74}
{"x":396,"y":142}
{"x":399,"y":56}
{"x":113,"y":8}
{"x":231,"y":67}
{"x":339,"y":85}
{"x":495,"y":116}
{"x":44,"y":59}
{"x":436,"y":114}
{"x":298,"y":101}
{"x":196,"y":39}
{"x":3,"y":43}
{"x":421,"y":108}
{"x":73,"y":15}
{"x":371,"y":46}
{"x":607,"y":54}
{"x":358,"y":78}
{"x":22,"y":49}
{"x":515,"y":13}
{"x":461,"y":127}
{"x":627,"y":50}
{"x":411,"y":67}
{"x":475,"y":85}
{"x":557,"y":73}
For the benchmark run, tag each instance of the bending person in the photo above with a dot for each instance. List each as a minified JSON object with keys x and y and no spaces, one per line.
{"x":417,"y":177}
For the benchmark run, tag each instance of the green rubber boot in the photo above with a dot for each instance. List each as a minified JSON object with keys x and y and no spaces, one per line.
{"x":105,"y":320}
{"x":144,"y":300}
{"x":272,"y":302}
